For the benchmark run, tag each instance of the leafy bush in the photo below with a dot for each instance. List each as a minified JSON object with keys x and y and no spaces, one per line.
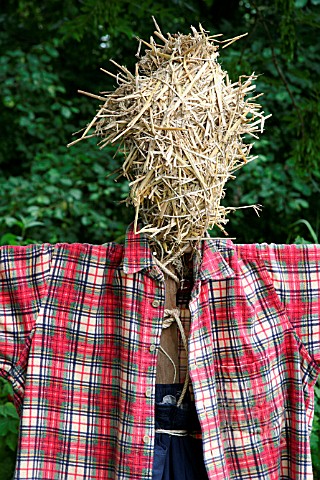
{"x":70,"y":195}
{"x":315,"y":435}
{"x":9,"y":422}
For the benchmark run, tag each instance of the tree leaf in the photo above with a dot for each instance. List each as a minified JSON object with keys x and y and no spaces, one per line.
{"x":300,"y":3}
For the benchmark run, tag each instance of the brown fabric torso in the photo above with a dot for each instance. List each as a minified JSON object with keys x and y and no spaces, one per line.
{"x":169,"y":340}
{"x":177,"y":296}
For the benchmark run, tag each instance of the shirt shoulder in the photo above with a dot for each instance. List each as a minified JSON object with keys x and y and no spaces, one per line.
{"x":288,"y":253}
{"x":111,"y":253}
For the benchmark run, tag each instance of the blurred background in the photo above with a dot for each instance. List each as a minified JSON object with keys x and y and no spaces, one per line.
{"x":50,"y":193}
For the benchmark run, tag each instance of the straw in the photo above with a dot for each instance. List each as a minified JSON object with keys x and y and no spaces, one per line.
{"x":181,"y":125}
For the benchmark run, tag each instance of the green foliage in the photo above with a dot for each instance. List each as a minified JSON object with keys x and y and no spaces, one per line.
{"x":36,"y":126}
{"x":71,"y":195}
{"x":51,"y":50}
{"x":315,"y":435}
{"x":9,"y":422}
{"x":285,"y":180}
{"x":310,"y":230}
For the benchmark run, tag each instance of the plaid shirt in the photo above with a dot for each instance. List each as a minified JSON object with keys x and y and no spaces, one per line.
{"x":80,"y":331}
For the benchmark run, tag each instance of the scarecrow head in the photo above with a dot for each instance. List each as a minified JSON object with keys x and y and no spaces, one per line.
{"x":180,"y":123}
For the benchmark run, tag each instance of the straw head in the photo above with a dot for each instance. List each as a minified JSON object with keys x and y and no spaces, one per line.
{"x":181,"y":124}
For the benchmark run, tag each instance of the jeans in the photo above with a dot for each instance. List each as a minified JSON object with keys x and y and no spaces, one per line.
{"x":176,"y":457}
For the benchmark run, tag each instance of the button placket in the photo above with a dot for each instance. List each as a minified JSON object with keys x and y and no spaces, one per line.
{"x":153,"y":346}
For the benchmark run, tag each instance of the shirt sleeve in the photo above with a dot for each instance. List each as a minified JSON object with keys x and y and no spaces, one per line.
{"x":295,"y":274}
{"x":23,"y":285}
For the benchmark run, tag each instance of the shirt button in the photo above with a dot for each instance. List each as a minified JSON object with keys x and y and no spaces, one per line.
{"x":146,"y":439}
{"x":155,"y":303}
{"x":149,"y":392}
{"x":152,"y":347}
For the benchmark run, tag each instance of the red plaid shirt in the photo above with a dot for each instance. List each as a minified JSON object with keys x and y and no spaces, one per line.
{"x":80,"y":331}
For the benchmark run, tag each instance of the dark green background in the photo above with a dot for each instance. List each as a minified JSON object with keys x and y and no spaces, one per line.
{"x":50,"y":193}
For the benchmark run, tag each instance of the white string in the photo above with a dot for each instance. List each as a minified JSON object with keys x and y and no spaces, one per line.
{"x":173,"y":364}
{"x":176,"y":433}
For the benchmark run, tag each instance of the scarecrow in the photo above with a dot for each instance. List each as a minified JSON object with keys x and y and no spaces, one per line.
{"x":175,"y":356}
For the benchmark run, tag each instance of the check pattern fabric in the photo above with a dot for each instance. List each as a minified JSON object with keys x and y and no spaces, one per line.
{"x":80,"y":329}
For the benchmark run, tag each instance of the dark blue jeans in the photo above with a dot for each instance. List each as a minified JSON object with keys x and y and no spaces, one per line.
{"x":176,"y":458}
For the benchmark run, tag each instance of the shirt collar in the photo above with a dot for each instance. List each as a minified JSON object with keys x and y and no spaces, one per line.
{"x":137,"y":253}
{"x":138,"y":256}
{"x":214,"y":265}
